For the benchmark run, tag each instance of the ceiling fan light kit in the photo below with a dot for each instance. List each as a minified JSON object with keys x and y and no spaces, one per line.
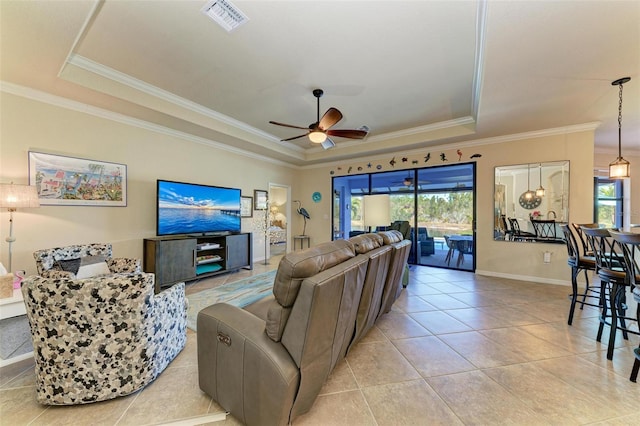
{"x":319,"y":131}
{"x":620,"y":168}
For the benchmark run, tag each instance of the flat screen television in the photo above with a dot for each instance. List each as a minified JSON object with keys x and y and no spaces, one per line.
{"x":193,"y":209}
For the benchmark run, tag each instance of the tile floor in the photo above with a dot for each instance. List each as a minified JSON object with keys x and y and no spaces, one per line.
{"x":456,"y":348}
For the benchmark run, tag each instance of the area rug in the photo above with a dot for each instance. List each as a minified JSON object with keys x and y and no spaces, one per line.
{"x":239,"y":293}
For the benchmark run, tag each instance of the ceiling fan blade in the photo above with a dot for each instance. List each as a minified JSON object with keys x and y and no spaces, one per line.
{"x":295,"y":137}
{"x":328,"y":143}
{"x":331,"y":117}
{"x":351,"y":134}
{"x":288,"y":125}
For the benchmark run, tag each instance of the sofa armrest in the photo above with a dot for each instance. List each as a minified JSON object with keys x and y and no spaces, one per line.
{"x":170,"y":325}
{"x":124,"y":265}
{"x":241,"y":368}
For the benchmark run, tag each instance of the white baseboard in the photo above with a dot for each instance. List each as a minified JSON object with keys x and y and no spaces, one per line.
{"x":541,"y":280}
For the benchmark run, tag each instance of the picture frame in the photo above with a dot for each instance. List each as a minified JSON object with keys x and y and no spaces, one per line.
{"x":71,"y":181}
{"x":260,"y":199}
{"x":246,"y":206}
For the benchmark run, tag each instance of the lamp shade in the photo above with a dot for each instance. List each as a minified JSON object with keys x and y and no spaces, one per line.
{"x":18,"y":196}
{"x":376,"y":210}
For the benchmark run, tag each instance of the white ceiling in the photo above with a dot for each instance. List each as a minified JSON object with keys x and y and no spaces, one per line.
{"x":417,"y":73}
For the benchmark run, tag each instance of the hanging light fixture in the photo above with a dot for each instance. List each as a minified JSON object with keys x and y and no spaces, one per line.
{"x":540,"y":190}
{"x":529,"y":194}
{"x":620,"y":168}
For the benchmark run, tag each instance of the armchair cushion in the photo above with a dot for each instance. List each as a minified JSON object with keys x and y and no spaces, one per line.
{"x":59,"y":262}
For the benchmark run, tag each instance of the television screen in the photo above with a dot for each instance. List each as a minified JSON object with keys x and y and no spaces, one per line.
{"x":187,"y":208}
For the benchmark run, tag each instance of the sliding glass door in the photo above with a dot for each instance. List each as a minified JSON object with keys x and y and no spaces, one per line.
{"x":437,"y":203}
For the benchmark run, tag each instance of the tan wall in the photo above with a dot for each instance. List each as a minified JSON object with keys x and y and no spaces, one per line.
{"x":506,"y":259}
{"x":31,"y":125}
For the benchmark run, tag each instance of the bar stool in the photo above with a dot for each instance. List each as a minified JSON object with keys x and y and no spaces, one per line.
{"x":588,"y":251}
{"x":630,"y":244}
{"x":580,"y":262}
{"x":611,"y":268}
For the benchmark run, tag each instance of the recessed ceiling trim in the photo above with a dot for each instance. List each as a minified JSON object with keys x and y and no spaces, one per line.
{"x":47,"y":98}
{"x":478,"y":68}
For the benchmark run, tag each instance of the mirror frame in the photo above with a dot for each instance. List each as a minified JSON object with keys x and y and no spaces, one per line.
{"x":511,"y":183}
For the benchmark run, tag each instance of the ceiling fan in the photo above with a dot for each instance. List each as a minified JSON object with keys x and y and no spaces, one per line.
{"x":320,"y":131}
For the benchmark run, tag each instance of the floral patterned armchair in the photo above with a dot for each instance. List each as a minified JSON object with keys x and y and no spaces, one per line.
{"x":63,"y":262}
{"x":102,"y":337}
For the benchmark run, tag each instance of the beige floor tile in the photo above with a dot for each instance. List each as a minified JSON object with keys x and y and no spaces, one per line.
{"x":400,"y":326}
{"x":176,"y":391}
{"x":346,"y":408}
{"x":18,"y":406}
{"x":439,"y":322}
{"x":476,"y":299}
{"x":616,"y":391}
{"x":628,"y":420}
{"x":549,"y":396}
{"x":478,"y":400}
{"x":476,"y":318}
{"x":431,"y":357}
{"x":421,"y":289}
{"x":559,"y":334}
{"x":99,"y":413}
{"x":408,"y":403}
{"x":374,"y":335}
{"x":480,"y":350}
{"x":379,"y":363}
{"x":448,"y":288}
{"x":523,"y":343}
{"x":511,"y":316}
{"x":341,"y":379}
{"x":444,"y":301}
{"x":408,"y":303}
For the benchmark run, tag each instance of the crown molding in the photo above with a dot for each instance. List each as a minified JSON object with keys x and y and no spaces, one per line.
{"x":58,"y":101}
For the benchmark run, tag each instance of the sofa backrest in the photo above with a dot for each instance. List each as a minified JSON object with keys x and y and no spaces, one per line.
{"x":321,"y":324}
{"x":46,"y":259}
{"x":399,"y":257}
{"x":293,"y":268}
{"x":379,"y":257}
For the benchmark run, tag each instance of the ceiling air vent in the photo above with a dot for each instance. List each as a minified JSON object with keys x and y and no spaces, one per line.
{"x":225,"y":14}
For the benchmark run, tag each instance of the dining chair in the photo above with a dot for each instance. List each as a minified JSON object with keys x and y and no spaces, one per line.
{"x":630,"y":244}
{"x":452,"y":248}
{"x":464,"y":247}
{"x":581,"y":263}
{"x":519,"y":235}
{"x":611,"y":269}
{"x":578,"y":227}
{"x":508,"y":232}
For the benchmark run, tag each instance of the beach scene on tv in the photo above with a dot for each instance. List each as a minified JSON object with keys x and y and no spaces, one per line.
{"x":197,"y":209}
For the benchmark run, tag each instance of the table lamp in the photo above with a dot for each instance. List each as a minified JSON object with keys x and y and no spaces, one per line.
{"x":376,"y":210}
{"x":13,"y":197}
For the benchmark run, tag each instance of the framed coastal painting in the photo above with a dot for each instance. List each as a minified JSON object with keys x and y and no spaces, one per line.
{"x":260,"y":199}
{"x":71,"y":181}
{"x":246,"y":206}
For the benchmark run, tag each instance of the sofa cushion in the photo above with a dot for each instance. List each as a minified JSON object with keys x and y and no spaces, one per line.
{"x":292,"y":270}
{"x":390,"y":237}
{"x":366,"y":242}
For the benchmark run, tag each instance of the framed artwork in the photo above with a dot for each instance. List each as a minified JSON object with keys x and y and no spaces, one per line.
{"x":260,"y":199}
{"x":71,"y":181}
{"x":246,"y":206}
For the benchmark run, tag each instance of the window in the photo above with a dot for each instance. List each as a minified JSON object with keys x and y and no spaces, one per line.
{"x":608,"y":196}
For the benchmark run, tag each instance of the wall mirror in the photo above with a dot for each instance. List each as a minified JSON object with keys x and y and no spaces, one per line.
{"x":527,"y":196}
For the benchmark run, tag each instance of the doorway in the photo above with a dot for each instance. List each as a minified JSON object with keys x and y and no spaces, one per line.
{"x":279,"y":219}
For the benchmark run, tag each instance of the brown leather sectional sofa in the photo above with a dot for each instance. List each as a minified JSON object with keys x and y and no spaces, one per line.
{"x":266,"y":363}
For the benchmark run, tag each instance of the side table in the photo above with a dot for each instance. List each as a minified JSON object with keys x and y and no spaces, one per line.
{"x":12,"y":307}
{"x":302,"y":239}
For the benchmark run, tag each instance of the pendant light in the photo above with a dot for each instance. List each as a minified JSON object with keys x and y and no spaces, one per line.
{"x":620,"y":168}
{"x":540,"y":190}
{"x":529,"y":194}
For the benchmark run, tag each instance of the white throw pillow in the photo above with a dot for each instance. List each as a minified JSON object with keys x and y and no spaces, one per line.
{"x":92,"y":266}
